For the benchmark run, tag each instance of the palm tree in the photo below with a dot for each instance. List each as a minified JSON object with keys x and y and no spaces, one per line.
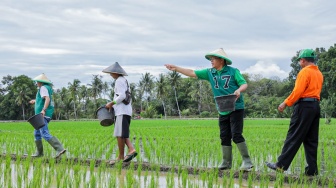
{"x":147,"y":85}
{"x":83,"y":96}
{"x":105,"y":88}
{"x":96,"y":88}
{"x":196,"y":93}
{"x":23,"y":89}
{"x":73,"y":88}
{"x":140,"y":92}
{"x":61,"y":100}
{"x":22,"y":93}
{"x":161,"y":89}
{"x":174,"y":78}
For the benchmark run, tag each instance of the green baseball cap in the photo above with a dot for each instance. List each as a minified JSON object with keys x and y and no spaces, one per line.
{"x":306,"y":53}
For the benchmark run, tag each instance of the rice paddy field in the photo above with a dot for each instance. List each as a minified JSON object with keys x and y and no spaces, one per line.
{"x":171,"y":153}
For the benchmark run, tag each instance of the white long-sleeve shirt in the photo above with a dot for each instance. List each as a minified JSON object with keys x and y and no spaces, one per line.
{"x":120,"y":88}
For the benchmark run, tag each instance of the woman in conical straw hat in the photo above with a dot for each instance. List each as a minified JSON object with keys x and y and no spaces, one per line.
{"x":225,"y":80}
{"x":44,"y":105}
{"x":123,"y":113}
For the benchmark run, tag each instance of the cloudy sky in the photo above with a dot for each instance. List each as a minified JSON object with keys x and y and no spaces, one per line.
{"x":76,"y":39}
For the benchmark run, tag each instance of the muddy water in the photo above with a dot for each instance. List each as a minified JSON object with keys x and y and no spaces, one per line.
{"x":61,"y":175}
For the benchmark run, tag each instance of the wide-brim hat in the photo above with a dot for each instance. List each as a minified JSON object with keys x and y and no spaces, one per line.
{"x":218,"y":53}
{"x":42,"y":78}
{"x":115,"y":68}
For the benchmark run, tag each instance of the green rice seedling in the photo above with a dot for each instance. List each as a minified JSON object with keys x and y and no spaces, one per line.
{"x":231,"y":182}
{"x":119,"y":166}
{"x":145,"y":178}
{"x":157,"y":170}
{"x":240,"y":178}
{"x":139,"y":170}
{"x":93,"y":180}
{"x":58,"y":179}
{"x":170,"y":179}
{"x":92,"y":166}
{"x":210,"y":179}
{"x":153,"y":183}
{"x":179,"y":171}
{"x":250,"y":180}
{"x":203,"y":177}
{"x":130,"y":177}
{"x":112,"y":179}
{"x":184,"y":177}
{"x":323,"y":181}
{"x":331,"y":183}
{"x":8,"y":162}
{"x":216,"y":171}
{"x":279,"y":180}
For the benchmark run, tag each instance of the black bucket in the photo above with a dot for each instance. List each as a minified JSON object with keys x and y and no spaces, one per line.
{"x":226,"y":103}
{"x":105,"y":116}
{"x":37,"y":121}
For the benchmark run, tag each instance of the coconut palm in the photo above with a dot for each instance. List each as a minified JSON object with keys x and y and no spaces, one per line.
{"x":61,"y":98}
{"x":196,"y":93}
{"x":96,"y":88}
{"x":174,"y":78}
{"x":147,"y":85}
{"x":161,"y":88}
{"x":73,"y":89}
{"x":83,"y":96}
{"x":23,"y":89}
{"x":22,"y":93}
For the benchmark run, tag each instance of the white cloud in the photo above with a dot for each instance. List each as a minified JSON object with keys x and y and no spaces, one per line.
{"x":266,"y":69}
{"x":72,"y":39}
{"x":45,"y":51}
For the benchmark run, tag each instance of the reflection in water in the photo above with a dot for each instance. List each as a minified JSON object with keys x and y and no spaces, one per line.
{"x":63,"y":175}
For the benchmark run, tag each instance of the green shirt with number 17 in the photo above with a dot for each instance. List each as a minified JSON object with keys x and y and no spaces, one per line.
{"x":224,"y":82}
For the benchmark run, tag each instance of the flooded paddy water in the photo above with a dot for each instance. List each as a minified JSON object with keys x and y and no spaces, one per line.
{"x":44,"y":172}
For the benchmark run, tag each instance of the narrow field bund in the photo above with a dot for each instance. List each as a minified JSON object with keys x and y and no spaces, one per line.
{"x":189,"y":146}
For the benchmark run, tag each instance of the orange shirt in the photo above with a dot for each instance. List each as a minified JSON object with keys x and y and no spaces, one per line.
{"x":308,"y":84}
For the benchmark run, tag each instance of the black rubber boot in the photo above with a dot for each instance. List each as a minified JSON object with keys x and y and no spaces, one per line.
{"x":309,"y":171}
{"x":56,"y":144}
{"x":39,"y":149}
{"x":227,"y":158}
{"x":247,"y":163}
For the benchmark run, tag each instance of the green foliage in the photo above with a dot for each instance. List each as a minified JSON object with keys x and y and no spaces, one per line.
{"x":18,"y":91}
{"x":205,"y":114}
{"x":328,"y":107}
{"x":169,"y":94}
{"x":185,"y":112}
{"x":150,"y":112}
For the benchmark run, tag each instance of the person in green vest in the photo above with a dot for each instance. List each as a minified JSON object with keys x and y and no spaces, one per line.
{"x":44,"y":105}
{"x":225,"y":80}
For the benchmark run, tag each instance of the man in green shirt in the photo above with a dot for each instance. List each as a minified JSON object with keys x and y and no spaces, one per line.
{"x":44,"y":105}
{"x":225,"y":80}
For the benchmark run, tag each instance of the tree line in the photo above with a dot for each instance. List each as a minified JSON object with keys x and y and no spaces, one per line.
{"x":168,"y":95}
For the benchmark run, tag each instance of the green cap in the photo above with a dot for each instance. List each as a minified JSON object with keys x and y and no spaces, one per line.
{"x":306,"y":53}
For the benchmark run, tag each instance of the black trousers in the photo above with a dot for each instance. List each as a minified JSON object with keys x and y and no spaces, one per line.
{"x":303,"y":128}
{"x":231,"y":127}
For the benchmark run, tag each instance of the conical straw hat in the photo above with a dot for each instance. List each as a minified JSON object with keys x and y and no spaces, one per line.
{"x":115,"y":68}
{"x":219,"y":53}
{"x":42,"y":78}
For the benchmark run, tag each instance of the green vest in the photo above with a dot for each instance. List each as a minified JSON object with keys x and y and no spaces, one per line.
{"x":39,"y":102}
{"x":224,"y":82}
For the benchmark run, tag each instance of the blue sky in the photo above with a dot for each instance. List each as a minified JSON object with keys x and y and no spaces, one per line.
{"x":75,"y":39}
